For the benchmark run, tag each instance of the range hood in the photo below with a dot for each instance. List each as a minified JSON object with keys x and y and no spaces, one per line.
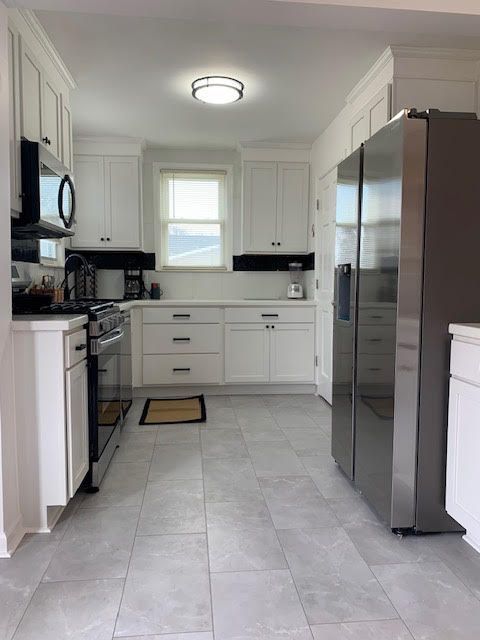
{"x":41,"y":230}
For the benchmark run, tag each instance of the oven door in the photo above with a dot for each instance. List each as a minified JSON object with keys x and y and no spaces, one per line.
{"x":105,"y":392}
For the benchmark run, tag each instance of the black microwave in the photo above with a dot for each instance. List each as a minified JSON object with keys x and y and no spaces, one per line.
{"x":48,"y":195}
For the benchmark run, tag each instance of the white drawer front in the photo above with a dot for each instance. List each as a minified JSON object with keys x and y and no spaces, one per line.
{"x":465,"y":361}
{"x":269,"y":314}
{"x":376,"y":339}
{"x":75,"y":348}
{"x":377,"y":316}
{"x":181,"y":369}
{"x":181,"y":338}
{"x":182,"y":315}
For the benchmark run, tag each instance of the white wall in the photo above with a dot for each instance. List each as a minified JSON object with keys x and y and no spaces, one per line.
{"x":10,"y":518}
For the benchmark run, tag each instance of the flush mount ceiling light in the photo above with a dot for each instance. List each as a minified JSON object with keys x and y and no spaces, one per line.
{"x":217,"y":89}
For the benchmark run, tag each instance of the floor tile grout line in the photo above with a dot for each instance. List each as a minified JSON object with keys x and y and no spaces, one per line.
{"x":131,"y":553}
{"x":206,"y":539}
{"x":56,"y":546}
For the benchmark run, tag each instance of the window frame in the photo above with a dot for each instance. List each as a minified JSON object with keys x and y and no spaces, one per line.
{"x":48,"y":262}
{"x":227,"y":240}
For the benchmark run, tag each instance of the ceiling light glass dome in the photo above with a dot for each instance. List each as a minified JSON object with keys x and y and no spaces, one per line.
{"x":217,"y":89}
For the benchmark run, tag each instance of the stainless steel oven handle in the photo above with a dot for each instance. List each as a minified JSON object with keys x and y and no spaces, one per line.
{"x":106,"y":342}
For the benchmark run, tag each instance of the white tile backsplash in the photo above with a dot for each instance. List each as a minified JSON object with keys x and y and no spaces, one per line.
{"x":234,"y":285}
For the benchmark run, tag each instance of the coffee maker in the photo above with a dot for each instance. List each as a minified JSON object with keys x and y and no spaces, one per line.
{"x":295,"y":288}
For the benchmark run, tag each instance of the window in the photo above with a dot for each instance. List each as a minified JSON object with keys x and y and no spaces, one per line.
{"x":51,"y":253}
{"x":193,"y":214}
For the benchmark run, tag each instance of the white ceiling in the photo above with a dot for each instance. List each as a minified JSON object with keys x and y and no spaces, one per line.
{"x":134,"y":71}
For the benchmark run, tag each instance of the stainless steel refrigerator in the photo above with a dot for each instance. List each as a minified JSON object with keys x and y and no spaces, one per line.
{"x":407,"y":264}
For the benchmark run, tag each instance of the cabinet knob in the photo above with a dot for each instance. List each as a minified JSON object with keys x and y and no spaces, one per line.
{"x":45,"y":140}
{"x":279,"y":243}
{"x":108,"y":239}
{"x":102,"y":239}
{"x":273,"y":244}
{"x":273,"y":326}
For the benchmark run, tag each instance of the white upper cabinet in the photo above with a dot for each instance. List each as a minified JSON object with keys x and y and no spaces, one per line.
{"x":31,"y":94}
{"x":260,"y":206}
{"x":371,"y":118}
{"x":122,"y":202}
{"x":39,"y":96}
{"x":109,"y":212}
{"x":275,"y":207}
{"x":14,"y":112}
{"x":292,"y":207}
{"x":51,"y":118}
{"x":90,"y":195}
{"x":67,"y":151}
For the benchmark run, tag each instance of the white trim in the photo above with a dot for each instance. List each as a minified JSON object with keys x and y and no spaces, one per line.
{"x":41,"y":36}
{"x":106,"y":146}
{"x":297,"y":146}
{"x":385,"y":59}
{"x":10,"y":539}
{"x":195,"y":166}
{"x":435,"y":53}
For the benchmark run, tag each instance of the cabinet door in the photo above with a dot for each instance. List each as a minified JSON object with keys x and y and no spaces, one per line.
{"x":77,"y":425}
{"x":14,"y":108}
{"x":31,"y":94}
{"x":379,"y":110}
{"x":122,"y":202}
{"x":358,"y":130}
{"x":246,"y":353}
{"x":51,"y":117}
{"x":292,"y":207}
{"x":90,"y":196}
{"x":463,"y":470}
{"x":292,"y":353}
{"x":67,"y":157}
{"x":259,"y":207}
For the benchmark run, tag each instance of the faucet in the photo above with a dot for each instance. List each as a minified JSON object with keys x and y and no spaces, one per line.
{"x":84,"y":263}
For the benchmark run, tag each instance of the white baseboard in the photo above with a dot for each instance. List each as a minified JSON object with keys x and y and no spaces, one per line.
{"x":9,"y":540}
{"x":225,"y":390}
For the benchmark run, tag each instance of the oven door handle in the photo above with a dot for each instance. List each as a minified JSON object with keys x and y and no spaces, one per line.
{"x":103,"y":343}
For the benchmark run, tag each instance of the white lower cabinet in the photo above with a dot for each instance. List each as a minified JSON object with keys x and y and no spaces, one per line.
{"x":76,"y":394}
{"x":247,"y":353}
{"x":292,"y":348}
{"x":283,"y":352}
{"x":51,"y":406}
{"x":463,"y":449}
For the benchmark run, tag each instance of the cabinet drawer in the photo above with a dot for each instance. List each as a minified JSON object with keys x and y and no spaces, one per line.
{"x":182,"y":315}
{"x":75,"y":348}
{"x":181,"y":338}
{"x":377,"y":316}
{"x":465,"y":361}
{"x":376,"y":339}
{"x":269,"y":314}
{"x":181,"y":369}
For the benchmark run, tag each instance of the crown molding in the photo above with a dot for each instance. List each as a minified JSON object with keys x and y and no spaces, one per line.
{"x":436,"y":53}
{"x":42,"y":37}
{"x":111,"y":140}
{"x":292,"y":146}
{"x":378,"y":66}
{"x":401,"y":51}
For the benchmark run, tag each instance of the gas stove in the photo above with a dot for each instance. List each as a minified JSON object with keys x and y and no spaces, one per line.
{"x":103,"y":315}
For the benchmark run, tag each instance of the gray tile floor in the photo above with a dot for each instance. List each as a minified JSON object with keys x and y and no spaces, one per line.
{"x":241,"y":528}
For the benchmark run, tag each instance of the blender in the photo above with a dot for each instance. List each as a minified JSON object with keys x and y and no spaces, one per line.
{"x":295,"y":288}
